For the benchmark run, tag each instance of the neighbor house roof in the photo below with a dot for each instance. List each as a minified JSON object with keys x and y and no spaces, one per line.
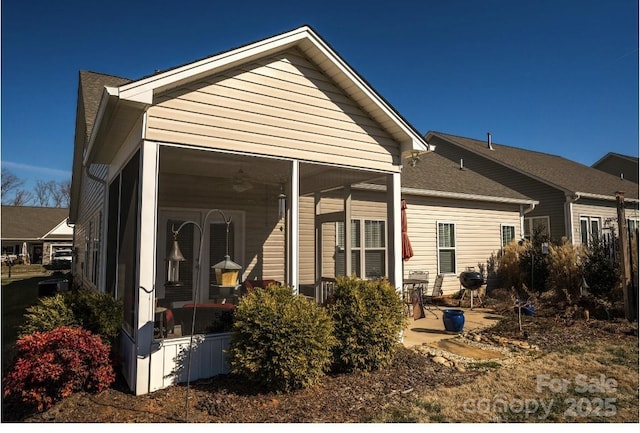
{"x":30,"y":222}
{"x":435,"y":175}
{"x":556,"y":171}
{"x":625,"y":166}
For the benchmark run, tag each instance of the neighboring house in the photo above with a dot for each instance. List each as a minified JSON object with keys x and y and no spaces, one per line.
{"x":42,"y":230}
{"x":272,"y":134}
{"x":575,"y":201}
{"x":458,"y":218}
{"x":623,"y":166}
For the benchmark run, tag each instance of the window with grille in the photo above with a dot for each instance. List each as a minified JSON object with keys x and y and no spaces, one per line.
{"x":368,"y":248}
{"x":590,"y":227}
{"x":507,"y":234}
{"x":538,"y":225}
{"x":446,"y":248}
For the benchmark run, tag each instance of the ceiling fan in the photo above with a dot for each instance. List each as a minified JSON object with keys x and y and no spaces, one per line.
{"x":240,"y":182}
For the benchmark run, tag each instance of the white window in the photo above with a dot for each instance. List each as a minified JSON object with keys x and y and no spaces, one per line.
{"x":507,"y":234}
{"x":536,"y":225}
{"x":368,"y":248}
{"x":446,"y":248}
{"x":590,"y":227}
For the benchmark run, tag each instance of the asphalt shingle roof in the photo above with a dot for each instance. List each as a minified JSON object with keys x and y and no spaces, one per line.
{"x":558,"y":171}
{"x":92,"y":86}
{"x":30,"y":222}
{"x":436,"y":173}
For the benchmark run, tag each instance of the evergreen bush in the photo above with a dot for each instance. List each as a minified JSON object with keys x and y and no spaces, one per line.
{"x":368,"y":318}
{"x":97,"y":312}
{"x":49,"y":313}
{"x":600,"y":271}
{"x":52,"y":365}
{"x":280,"y":340}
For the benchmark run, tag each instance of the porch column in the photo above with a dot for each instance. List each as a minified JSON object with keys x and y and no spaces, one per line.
{"x":294,"y":227}
{"x":348,"y":233}
{"x":394,"y":232}
{"x":147,"y":247}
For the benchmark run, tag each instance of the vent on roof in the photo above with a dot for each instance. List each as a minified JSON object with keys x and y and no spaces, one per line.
{"x":489,"y":141}
{"x":461,"y":164}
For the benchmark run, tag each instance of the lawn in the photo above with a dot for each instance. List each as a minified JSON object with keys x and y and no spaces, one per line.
{"x":18,"y":292}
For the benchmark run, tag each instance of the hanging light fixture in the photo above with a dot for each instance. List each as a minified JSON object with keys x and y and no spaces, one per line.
{"x":282,"y":203}
{"x":174,"y":258}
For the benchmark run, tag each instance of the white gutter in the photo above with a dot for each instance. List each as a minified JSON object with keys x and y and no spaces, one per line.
{"x":450,"y":195}
{"x":578,"y":195}
{"x":108,"y":94}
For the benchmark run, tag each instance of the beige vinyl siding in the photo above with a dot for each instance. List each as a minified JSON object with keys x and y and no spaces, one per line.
{"x":281,"y":106}
{"x":605,"y":210}
{"x":90,"y":206}
{"x":477,"y":234}
{"x":264,"y":242}
{"x":551,"y":200}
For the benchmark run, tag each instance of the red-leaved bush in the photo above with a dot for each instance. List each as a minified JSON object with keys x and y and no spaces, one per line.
{"x":50,"y":366}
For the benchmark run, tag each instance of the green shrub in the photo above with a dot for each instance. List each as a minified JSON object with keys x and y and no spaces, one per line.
{"x":49,"y":313}
{"x":368,"y":318}
{"x":280,"y":340}
{"x":53,"y":365}
{"x":97,"y":312}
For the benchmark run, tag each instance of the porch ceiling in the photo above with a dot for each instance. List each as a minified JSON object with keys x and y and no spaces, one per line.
{"x":236,"y":169}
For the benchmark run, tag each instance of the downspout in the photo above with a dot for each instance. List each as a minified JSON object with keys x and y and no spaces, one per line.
{"x":568,"y":215}
{"x":103,"y":226}
{"x":102,"y":182}
{"x":523,"y":212}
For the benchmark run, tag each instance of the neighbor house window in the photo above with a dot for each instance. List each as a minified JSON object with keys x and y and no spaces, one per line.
{"x":446,"y":248}
{"x":507,"y":234}
{"x":590,"y":228}
{"x":368,"y":248}
{"x":537,"y":225}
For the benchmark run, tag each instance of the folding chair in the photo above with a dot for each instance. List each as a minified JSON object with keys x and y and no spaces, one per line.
{"x":437,"y":291}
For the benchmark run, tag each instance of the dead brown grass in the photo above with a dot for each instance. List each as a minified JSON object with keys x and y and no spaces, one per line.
{"x":587,"y":381}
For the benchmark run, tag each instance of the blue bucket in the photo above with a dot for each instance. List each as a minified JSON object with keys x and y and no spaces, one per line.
{"x":453,"y":320}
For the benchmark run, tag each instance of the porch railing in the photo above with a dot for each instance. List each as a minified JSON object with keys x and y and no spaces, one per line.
{"x":325,"y":288}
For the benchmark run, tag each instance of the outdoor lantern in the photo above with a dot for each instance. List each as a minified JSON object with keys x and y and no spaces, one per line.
{"x":174,"y":259}
{"x":282,"y":203}
{"x":227,"y":272}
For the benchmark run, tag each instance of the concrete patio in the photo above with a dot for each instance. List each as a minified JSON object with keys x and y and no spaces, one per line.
{"x":430,"y":329}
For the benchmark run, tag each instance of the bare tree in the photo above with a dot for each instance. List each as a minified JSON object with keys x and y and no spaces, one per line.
{"x":10,"y":182}
{"x":60,"y":193}
{"x":22,"y":197}
{"x":45,"y":193}
{"x":42,"y":191}
{"x":65,"y":187}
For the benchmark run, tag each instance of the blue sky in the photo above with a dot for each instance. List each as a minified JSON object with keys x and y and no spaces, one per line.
{"x":556,"y":76}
